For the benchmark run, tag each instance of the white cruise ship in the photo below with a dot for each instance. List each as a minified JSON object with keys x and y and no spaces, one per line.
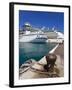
{"x":32,"y":35}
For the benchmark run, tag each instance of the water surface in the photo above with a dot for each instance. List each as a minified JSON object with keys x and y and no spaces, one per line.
{"x":33,"y":51}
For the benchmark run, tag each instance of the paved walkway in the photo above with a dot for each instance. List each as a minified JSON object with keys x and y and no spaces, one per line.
{"x":60,"y":52}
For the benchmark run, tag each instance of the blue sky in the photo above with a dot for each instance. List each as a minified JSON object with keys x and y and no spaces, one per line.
{"x":40,"y":19}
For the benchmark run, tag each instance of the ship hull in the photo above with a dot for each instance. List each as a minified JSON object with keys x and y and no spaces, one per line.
{"x":32,"y":38}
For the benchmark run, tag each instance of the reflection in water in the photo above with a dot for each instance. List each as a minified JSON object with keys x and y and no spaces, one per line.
{"x":33,"y":51}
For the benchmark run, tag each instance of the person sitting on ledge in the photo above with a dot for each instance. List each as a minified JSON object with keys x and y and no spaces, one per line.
{"x":50,"y":59}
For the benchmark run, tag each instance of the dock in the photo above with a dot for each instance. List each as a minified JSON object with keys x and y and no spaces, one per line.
{"x":36,"y":70}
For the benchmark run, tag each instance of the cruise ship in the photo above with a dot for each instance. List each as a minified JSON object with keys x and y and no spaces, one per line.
{"x":32,"y":34}
{"x":33,"y":37}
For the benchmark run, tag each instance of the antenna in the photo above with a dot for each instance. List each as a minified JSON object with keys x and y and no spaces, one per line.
{"x":43,"y":28}
{"x":53,"y":28}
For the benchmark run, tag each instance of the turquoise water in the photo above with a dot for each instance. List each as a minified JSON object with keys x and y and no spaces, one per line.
{"x":33,"y":51}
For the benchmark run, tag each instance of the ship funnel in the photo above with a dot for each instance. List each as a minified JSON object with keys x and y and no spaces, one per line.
{"x":27,"y":24}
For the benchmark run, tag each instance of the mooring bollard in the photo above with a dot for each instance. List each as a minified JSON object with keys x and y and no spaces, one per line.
{"x":50,"y":59}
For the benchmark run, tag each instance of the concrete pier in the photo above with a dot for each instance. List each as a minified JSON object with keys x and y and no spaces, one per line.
{"x":36,"y":69}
